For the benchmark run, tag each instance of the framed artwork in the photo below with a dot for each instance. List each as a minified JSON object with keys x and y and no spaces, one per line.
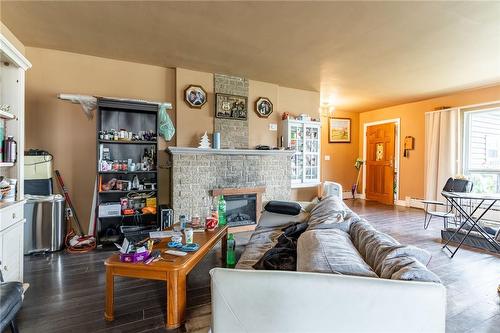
{"x":231,"y":106}
{"x":195,"y":96}
{"x":263,"y":107}
{"x":339,"y":130}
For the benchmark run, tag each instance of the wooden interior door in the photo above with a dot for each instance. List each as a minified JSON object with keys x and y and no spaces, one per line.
{"x":380,"y":146}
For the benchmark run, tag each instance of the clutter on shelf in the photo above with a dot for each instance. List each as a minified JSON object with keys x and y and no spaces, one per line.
{"x":124,"y":135}
{"x":108,"y":164}
{"x":7,"y":189}
{"x":301,"y":117}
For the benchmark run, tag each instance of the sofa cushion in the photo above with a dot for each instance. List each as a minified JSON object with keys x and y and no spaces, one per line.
{"x":283,"y":207}
{"x":331,"y":212}
{"x":274,"y":220}
{"x":260,"y":242}
{"x":407,"y":268}
{"x":330,"y":251}
{"x":357,"y":229}
{"x":370,"y":242}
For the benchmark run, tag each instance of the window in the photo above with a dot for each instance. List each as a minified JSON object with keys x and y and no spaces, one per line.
{"x":482,"y":149}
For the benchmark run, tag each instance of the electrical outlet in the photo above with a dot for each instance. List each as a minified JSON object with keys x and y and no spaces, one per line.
{"x":69,"y":212}
{"x":273,"y":127}
{"x":327,"y":157}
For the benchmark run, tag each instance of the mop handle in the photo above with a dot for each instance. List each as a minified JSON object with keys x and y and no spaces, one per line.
{"x":68,"y":200}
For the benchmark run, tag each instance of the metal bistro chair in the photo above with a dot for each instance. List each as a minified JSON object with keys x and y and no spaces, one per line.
{"x":447,"y":212}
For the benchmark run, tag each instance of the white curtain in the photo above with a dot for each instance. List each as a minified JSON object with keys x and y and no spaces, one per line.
{"x":442,"y":150}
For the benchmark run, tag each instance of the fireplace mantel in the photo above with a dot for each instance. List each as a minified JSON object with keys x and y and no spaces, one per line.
{"x":196,"y":151}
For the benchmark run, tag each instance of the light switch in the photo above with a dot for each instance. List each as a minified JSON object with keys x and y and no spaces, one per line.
{"x":273,"y":127}
{"x":327,"y":157}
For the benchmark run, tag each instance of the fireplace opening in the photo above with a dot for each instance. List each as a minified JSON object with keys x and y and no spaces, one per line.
{"x":241,"y":209}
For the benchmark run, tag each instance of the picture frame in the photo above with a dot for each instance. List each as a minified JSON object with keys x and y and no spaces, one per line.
{"x":339,"y":130}
{"x":231,"y":107}
{"x":195,"y":96}
{"x":263,"y":107}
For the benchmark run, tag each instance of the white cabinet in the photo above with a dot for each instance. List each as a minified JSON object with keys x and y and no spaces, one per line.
{"x":12,"y":75}
{"x":304,"y":137}
{"x":11,"y":252}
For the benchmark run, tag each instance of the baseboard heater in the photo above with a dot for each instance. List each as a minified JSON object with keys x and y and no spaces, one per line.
{"x":472,"y":240}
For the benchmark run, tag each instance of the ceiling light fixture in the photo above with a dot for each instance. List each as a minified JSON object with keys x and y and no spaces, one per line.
{"x":326,"y":110}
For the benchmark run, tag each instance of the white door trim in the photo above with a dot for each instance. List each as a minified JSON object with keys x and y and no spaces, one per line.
{"x":397,"y":154}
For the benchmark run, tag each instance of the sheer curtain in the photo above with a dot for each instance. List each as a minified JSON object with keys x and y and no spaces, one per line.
{"x":442,"y":150}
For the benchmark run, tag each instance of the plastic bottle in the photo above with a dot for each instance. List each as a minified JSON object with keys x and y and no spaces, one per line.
{"x":9,"y":150}
{"x":231,"y":251}
{"x":222,"y":210}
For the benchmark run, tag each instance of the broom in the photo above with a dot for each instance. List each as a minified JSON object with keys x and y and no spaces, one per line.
{"x":358,"y":165}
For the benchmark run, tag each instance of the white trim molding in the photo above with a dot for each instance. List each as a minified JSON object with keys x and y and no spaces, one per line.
{"x":13,"y":54}
{"x":397,"y":157}
{"x":348,"y":195}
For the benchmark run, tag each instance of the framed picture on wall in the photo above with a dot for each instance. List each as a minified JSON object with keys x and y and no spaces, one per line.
{"x":195,"y":96}
{"x":231,"y":106}
{"x":339,"y":130}
{"x":263,"y":107}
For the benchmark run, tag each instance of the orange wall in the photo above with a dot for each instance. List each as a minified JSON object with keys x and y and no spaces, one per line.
{"x":192,"y":123}
{"x":412,"y":124}
{"x":62,"y":128}
{"x":340,"y":167}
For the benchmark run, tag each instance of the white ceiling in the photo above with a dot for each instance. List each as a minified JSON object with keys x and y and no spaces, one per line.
{"x":364,"y":54}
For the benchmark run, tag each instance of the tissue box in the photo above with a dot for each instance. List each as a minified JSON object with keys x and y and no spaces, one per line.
{"x":134,"y":257}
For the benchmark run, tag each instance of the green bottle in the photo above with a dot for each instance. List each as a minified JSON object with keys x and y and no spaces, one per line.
{"x":231,"y":252}
{"x":222,"y":210}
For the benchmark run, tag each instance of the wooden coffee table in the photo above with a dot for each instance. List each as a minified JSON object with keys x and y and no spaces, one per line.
{"x":173,"y":272}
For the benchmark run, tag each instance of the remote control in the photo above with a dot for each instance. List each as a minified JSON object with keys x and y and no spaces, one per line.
{"x":176,"y":253}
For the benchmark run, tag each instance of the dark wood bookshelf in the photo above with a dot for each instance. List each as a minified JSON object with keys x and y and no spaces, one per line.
{"x":134,"y":117}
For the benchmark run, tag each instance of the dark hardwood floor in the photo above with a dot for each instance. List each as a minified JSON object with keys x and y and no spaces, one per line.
{"x":66,"y":291}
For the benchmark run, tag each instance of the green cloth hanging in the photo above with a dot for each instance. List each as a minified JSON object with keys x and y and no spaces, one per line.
{"x":166,"y":128}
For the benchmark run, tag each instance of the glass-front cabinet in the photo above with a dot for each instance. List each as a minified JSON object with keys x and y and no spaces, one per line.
{"x":304,"y":138}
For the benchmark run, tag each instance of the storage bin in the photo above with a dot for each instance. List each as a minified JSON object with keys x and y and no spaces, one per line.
{"x":37,"y":167}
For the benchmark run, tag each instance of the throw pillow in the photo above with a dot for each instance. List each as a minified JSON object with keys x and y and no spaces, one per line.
{"x":283,"y":207}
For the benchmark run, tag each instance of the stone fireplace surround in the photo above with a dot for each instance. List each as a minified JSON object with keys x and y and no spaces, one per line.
{"x":196,"y":172}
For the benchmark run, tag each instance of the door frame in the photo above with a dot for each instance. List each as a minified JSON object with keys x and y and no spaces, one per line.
{"x":397,"y":122}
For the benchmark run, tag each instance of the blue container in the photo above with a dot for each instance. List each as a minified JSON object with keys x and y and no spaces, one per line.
{"x":216,"y":141}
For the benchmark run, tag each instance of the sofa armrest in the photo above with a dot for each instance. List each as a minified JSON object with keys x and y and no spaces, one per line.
{"x":276,"y":301}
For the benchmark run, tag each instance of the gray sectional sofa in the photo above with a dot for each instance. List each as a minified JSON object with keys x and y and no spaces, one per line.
{"x":338,"y":241}
{"x":350,"y":278}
